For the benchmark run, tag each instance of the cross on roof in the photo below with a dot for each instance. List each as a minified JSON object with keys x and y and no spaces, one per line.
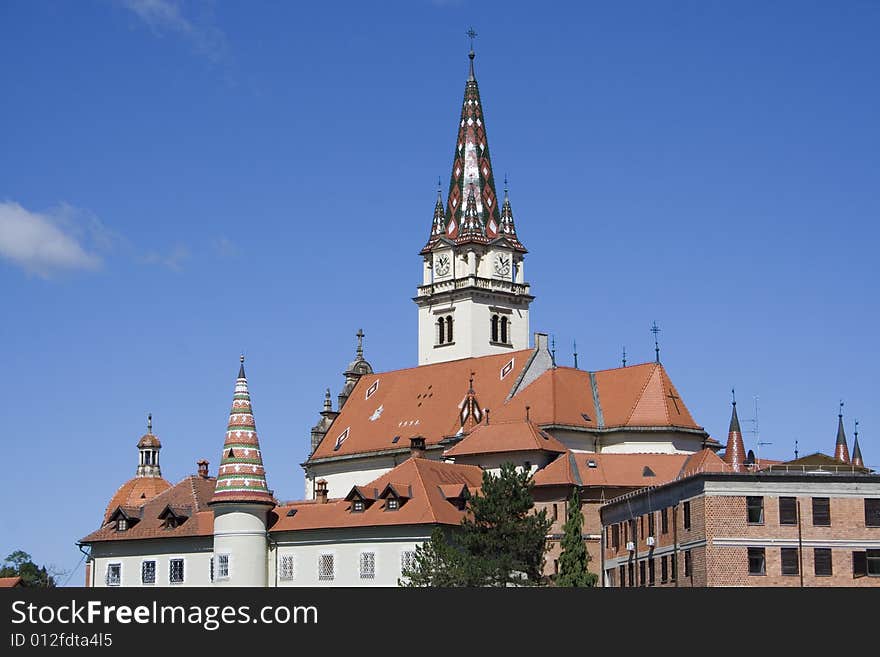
{"x":472,"y":34}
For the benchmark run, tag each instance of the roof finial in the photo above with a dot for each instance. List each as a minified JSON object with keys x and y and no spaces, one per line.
{"x":795,"y":448}
{"x":149,"y":423}
{"x":360,"y":348}
{"x":553,"y":349}
{"x":471,"y":383}
{"x":241,"y":368}
{"x":505,"y":185}
{"x":472,"y":34}
{"x":624,"y":355}
{"x":574,"y":345}
{"x":733,"y":395}
{"x":840,"y":413}
{"x":655,"y":330}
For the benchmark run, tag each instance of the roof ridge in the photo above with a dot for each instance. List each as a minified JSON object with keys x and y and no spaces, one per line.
{"x":424,"y":489}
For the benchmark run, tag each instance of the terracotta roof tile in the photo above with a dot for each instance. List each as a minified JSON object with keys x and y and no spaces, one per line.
{"x":611,"y":470}
{"x":135,"y":493}
{"x":423,"y":401}
{"x":190,"y":497}
{"x":9,"y":582}
{"x":428,"y":504}
{"x":498,"y":437}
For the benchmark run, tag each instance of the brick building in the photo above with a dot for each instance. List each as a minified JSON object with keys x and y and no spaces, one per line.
{"x":810,"y":522}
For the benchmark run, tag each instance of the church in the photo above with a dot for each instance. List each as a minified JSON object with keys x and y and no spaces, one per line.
{"x":402,"y":450}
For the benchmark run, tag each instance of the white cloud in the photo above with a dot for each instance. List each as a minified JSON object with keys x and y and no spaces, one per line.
{"x":44,"y":243}
{"x":173,"y":259}
{"x":168,"y":16}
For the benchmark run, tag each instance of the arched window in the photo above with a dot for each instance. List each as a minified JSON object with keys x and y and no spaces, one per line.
{"x":449,"y":328}
{"x":441,"y":331}
{"x":504,"y":330}
{"x":494,"y":328}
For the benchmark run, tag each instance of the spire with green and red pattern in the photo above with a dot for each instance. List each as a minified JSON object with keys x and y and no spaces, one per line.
{"x":241,"y":476}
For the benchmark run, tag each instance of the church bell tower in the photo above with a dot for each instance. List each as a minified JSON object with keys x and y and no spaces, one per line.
{"x":474,"y":299}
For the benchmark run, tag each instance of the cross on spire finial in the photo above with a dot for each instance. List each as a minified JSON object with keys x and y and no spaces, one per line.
{"x":840,"y":414}
{"x":149,"y":423}
{"x":360,"y":348}
{"x":574,"y":346}
{"x":471,"y":34}
{"x":655,"y":330}
{"x":733,"y":395}
{"x":624,"y":355}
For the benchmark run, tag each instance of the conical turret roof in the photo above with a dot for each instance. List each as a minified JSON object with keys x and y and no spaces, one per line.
{"x":841,"y":451}
{"x":241,"y":476}
{"x":735,"y":454}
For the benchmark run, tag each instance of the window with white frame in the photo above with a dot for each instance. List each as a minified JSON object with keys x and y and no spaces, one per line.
{"x":148,"y":572}
{"x":326,"y":570}
{"x":368,"y":565}
{"x":222,"y":566}
{"x":287,"y":571}
{"x":175,"y":571}
{"x":114,"y":574}
{"x":407,"y":560}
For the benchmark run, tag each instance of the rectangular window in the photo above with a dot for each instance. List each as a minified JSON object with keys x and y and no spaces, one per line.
{"x":622,"y":576}
{"x":872,"y":512}
{"x":686,"y":510}
{"x":114,"y":574}
{"x":626,"y":532}
{"x":688,"y":571}
{"x":821,"y":512}
{"x":873,"y":561}
{"x":757,"y":561}
{"x":630,"y":573}
{"x":287,"y":571}
{"x":175,"y":571}
{"x":787,"y":510}
{"x":555,"y":513}
{"x":755,"y":510}
{"x":674,"y":561}
{"x":651,"y":572}
{"x":642,"y":527}
{"x":222,"y":566}
{"x":357,"y":506}
{"x":393,"y":504}
{"x":615,"y":536}
{"x":148,"y":572}
{"x":407,"y":560}
{"x":651,"y":524}
{"x":822,"y":562}
{"x":368,"y":565}
{"x":211,"y":568}
{"x":664,"y":569}
{"x":664,"y":522}
{"x":642,"y":572}
{"x":860,"y":564}
{"x":326,"y":570}
{"x":789,"y":561}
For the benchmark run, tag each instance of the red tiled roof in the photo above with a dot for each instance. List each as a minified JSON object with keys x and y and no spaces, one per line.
{"x":419,"y":401}
{"x":428,"y":504}
{"x":499,"y":437}
{"x":190,"y":496}
{"x":135,"y":493}
{"x":611,"y":470}
{"x":9,"y":582}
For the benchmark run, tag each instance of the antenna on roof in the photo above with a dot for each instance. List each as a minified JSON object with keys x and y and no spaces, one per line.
{"x":655,"y":330}
{"x":553,"y":349}
{"x":624,"y":355}
{"x":575,"y":347}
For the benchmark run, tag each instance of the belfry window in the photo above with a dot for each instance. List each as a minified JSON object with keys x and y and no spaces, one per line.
{"x":494,"y":328}
{"x":441,"y":331}
{"x":449,"y":328}
{"x":504,"y":324}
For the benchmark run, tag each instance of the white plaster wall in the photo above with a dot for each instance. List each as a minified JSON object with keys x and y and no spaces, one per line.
{"x":195,"y":552}
{"x":626,"y":442}
{"x":387,"y":543}
{"x":493,"y":462}
{"x":240,"y":532}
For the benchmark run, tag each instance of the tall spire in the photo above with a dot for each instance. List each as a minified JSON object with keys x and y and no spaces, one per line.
{"x":438,"y":227}
{"x":241,"y":476}
{"x":735,"y":454}
{"x":841,"y":451}
{"x":472,"y":170}
{"x":508,"y":229}
{"x":857,"y":451}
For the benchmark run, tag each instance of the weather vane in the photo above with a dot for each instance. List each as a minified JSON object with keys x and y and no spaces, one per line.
{"x":655,"y":330}
{"x":472,"y":34}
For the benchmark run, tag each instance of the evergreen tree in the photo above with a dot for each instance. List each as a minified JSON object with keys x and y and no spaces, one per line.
{"x":502,"y":537}
{"x":437,"y":563}
{"x":573,"y":570}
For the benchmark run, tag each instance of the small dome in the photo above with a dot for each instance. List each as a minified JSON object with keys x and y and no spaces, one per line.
{"x":149,"y":440}
{"x":136,"y":492}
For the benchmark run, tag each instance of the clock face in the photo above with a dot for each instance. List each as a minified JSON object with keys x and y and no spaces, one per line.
{"x":502,"y":265}
{"x":442,"y":265}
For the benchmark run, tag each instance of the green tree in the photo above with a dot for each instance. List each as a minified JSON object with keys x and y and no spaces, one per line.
{"x":502,"y":537}
{"x":20,"y":564}
{"x":438,"y":563}
{"x":573,"y":569}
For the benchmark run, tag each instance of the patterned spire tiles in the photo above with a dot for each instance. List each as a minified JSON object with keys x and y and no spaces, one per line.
{"x":241,"y":476}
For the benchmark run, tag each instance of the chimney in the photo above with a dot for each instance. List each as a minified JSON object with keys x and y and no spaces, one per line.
{"x":417,"y":447}
{"x":541,"y":342}
{"x":321,"y":491}
{"x":203,"y":468}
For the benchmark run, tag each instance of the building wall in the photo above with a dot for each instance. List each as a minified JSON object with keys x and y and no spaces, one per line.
{"x":240,"y":533}
{"x":346,"y":545}
{"x":196,"y":553}
{"x":660,"y":442}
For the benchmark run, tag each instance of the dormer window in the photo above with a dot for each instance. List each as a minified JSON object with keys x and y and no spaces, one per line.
{"x":121,"y":524}
{"x":171,"y":522}
{"x":393,"y":504}
{"x":358,"y":506}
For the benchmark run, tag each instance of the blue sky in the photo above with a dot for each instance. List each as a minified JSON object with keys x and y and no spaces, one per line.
{"x":184,"y":181}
